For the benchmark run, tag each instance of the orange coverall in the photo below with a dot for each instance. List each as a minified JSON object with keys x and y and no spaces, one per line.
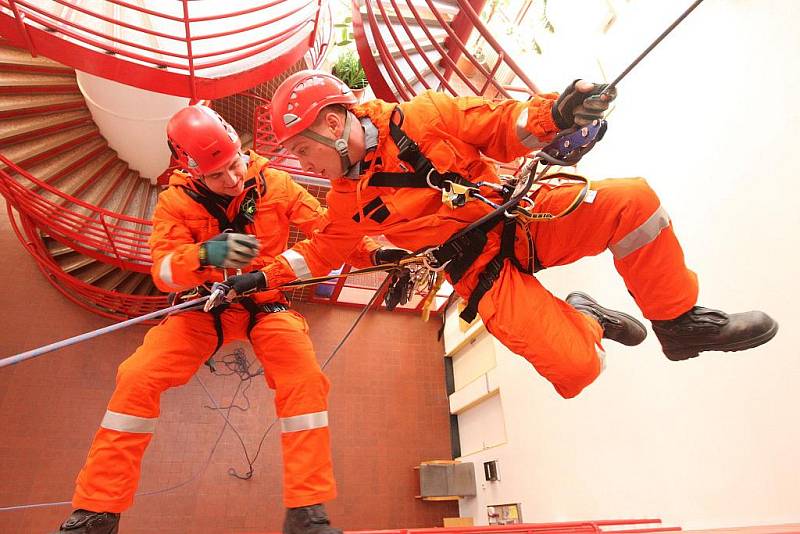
{"x":173,"y":350}
{"x":623,"y":215}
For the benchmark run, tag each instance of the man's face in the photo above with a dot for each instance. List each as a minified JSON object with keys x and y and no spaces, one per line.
{"x":314,"y":156}
{"x":228,"y":180}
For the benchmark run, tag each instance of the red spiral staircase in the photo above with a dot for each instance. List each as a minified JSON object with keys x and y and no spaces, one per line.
{"x":176,"y":48}
{"x":83,"y":214}
{"x":410,"y":46}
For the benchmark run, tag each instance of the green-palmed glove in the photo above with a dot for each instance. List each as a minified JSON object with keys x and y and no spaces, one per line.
{"x":229,"y":250}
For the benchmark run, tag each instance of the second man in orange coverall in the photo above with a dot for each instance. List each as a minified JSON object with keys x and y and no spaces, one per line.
{"x":388,"y":164}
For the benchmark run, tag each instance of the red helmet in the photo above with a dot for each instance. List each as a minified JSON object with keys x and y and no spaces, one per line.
{"x":300,"y":97}
{"x":201,"y":140}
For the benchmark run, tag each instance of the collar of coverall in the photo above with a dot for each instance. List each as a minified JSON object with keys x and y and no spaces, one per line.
{"x":370,"y":143}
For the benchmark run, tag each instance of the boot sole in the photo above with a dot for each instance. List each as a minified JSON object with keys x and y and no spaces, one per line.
{"x":731,"y":347}
{"x":607,"y":311}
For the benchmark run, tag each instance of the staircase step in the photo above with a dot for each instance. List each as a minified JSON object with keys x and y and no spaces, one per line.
{"x":123,"y":194}
{"x":115,"y":176}
{"x":20,"y":59}
{"x":396,"y":49}
{"x":432,"y":81}
{"x":56,"y":248}
{"x":446,"y":10}
{"x":415,"y":31}
{"x":147,"y":288}
{"x":73,"y":260}
{"x":408,"y":77}
{"x":94,"y":190}
{"x":95,"y":170}
{"x":94,"y":271}
{"x":37,"y":82}
{"x":131,"y":283}
{"x":138,"y":207}
{"x":58,"y":171}
{"x":45,"y":147}
{"x":112,"y":280}
{"x":18,"y":129}
{"x":20,"y":105}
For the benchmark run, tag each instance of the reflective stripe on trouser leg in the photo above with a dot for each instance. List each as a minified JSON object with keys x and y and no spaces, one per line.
{"x":281,"y":342}
{"x":171,"y":353}
{"x":627,"y":218}
{"x":562,"y":344}
{"x":650,"y":259}
{"x":306,"y":421}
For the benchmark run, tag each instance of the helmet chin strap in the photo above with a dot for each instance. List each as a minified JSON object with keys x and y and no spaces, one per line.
{"x":339,"y":145}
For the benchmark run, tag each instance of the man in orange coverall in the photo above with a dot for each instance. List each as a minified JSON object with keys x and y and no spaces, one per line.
{"x":224,"y":189}
{"x":388,"y":164}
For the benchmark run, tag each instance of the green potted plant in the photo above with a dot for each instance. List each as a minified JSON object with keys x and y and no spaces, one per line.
{"x":348,"y":69}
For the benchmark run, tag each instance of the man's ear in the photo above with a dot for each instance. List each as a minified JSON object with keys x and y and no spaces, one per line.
{"x":334,"y":123}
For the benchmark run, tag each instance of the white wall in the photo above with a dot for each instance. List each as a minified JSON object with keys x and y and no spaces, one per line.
{"x":133,"y":121}
{"x":710,"y":119}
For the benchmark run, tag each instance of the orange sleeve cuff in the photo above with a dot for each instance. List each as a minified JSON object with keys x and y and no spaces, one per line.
{"x":540,"y":118}
{"x":278,"y":273}
{"x":363,"y":255}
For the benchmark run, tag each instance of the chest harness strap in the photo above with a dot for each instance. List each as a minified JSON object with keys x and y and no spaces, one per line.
{"x":215,"y":205}
{"x":454,"y":187}
{"x":460,"y":251}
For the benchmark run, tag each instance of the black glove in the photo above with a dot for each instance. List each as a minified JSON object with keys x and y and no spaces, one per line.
{"x":229,"y":250}
{"x":242,"y":284}
{"x":399,"y":290}
{"x":579,"y":107}
{"x":389,"y":255}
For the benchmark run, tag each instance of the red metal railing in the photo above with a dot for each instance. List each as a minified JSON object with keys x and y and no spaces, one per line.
{"x":97,"y":232}
{"x":174,"y":49}
{"x":111,"y":304}
{"x":405,"y":29}
{"x":322,"y":38}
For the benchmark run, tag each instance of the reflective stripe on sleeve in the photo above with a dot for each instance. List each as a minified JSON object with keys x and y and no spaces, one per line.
{"x":525,"y":137}
{"x":165,"y":271}
{"x":128,"y":423}
{"x":644,"y":234}
{"x":306,"y":421}
{"x":298,"y":264}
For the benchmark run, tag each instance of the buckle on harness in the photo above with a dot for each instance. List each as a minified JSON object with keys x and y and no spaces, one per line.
{"x":430,"y":262}
{"x":454,"y":194}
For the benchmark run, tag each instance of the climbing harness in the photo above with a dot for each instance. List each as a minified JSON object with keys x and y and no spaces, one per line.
{"x":215,"y":205}
{"x":456,"y":190}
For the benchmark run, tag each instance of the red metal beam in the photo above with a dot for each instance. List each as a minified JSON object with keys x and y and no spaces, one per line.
{"x":143,"y":76}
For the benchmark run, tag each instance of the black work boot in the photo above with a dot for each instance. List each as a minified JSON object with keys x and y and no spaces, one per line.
{"x":86,"y":522}
{"x":617,"y":326}
{"x":308,"y":520}
{"x":702,"y":329}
